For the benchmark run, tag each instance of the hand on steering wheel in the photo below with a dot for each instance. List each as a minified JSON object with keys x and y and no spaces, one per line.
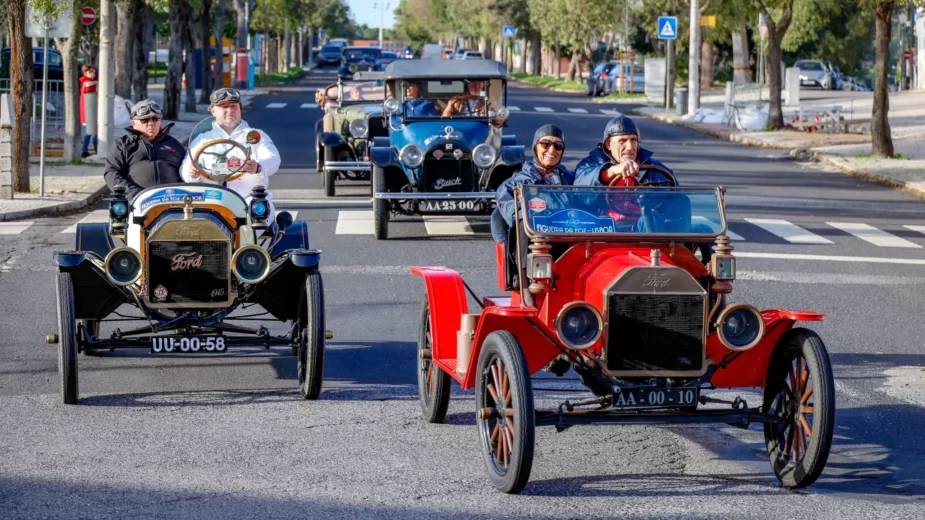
{"x":626,"y":205}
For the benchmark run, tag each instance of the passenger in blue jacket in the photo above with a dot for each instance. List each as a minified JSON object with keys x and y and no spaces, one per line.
{"x":544,"y":168}
{"x":618,"y":156}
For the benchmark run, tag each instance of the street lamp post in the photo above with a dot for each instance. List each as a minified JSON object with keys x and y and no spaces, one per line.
{"x":382,"y":6}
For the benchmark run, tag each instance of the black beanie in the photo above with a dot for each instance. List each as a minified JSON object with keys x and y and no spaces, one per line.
{"x":548,"y":131}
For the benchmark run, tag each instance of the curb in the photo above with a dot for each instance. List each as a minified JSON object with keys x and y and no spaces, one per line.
{"x":838,"y":163}
{"x":62,"y":207}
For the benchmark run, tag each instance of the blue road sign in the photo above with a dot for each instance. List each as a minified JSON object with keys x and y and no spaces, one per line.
{"x":667,"y":27}
{"x":508,"y":31}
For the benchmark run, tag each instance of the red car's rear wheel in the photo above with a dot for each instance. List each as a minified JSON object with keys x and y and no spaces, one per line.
{"x":800,"y":390}
{"x":433,"y":382}
{"x":505,"y":414}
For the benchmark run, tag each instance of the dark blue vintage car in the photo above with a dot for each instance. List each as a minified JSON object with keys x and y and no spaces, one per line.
{"x":445,"y":152}
{"x":356,"y":59}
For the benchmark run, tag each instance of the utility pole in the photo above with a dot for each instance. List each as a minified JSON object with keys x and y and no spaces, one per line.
{"x":382,"y":6}
{"x":106,"y":85}
{"x":693,"y":62}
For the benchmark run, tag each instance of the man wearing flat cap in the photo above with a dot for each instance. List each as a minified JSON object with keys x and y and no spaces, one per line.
{"x":147,"y":156}
{"x":225,"y":107}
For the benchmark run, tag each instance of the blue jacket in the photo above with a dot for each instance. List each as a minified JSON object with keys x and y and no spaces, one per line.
{"x":420,"y":108}
{"x":587,"y":173}
{"x":527,"y":175}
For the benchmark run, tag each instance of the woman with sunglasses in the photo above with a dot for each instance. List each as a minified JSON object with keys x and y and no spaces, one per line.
{"x":544,"y":168}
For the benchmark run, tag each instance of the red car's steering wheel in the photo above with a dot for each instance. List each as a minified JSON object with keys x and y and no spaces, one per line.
{"x":625,"y":205}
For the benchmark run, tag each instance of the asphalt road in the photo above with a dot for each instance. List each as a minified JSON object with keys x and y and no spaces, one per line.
{"x":228,"y":436}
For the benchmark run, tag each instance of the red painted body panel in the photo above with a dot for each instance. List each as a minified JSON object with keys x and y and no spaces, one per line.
{"x":447,"y":297}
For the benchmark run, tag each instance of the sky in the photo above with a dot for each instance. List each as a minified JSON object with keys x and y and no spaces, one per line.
{"x":363,"y":12}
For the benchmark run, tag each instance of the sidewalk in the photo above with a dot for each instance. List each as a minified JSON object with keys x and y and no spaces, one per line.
{"x":849,"y":153}
{"x":70,"y":187}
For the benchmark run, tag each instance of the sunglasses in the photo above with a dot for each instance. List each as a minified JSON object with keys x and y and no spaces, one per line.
{"x":150,"y":108}
{"x":546,"y":144}
{"x":225,"y":95}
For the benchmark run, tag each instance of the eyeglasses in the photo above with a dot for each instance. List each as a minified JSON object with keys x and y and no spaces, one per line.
{"x":225,"y":94}
{"x":546,"y":144}
{"x":144,"y":110}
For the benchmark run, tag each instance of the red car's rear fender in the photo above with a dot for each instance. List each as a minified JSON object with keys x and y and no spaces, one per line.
{"x":447,"y":297}
{"x":750,"y":368}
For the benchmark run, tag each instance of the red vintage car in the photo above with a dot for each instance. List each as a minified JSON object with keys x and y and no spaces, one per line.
{"x":607,"y":283}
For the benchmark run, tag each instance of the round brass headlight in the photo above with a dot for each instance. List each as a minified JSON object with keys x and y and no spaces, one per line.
{"x":740,"y":327}
{"x":123,"y":266}
{"x":250,"y":264}
{"x":579,"y":325}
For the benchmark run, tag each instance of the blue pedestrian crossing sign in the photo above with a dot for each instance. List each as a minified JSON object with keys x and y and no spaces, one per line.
{"x":508,"y":31}
{"x":667,"y":27}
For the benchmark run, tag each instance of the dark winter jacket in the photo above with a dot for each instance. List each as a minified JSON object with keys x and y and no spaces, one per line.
{"x":135,"y":163}
{"x":527,"y":175}
{"x":588,"y":171}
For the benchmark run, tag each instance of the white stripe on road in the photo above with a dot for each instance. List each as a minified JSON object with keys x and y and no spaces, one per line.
{"x":95,"y":217}
{"x":829,"y":258}
{"x":447,"y":225}
{"x":514,"y":108}
{"x":788,"y":231}
{"x":542,"y":109}
{"x":734,"y":236}
{"x":354,"y":223}
{"x":309,"y":105}
{"x":14,"y":228}
{"x":323,"y":202}
{"x":873,"y":235}
{"x":578,"y":110}
{"x":276,"y":105}
{"x":917,"y":229}
{"x":611,"y":112}
{"x":294,"y":213}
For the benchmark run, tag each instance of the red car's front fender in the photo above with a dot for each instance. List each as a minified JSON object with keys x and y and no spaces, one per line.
{"x":447,"y":297}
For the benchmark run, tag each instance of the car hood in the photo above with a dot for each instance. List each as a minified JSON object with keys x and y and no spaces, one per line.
{"x":373,"y":109}
{"x":428,"y":134}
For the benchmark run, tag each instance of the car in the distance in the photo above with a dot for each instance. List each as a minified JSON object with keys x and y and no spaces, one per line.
{"x":330,"y":54}
{"x":358,"y":59}
{"x":55,"y":64}
{"x":815,"y":73}
{"x":472,"y":55}
{"x":432,"y":51}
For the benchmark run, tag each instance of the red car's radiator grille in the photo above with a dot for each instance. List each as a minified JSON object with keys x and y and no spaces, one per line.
{"x":188,"y":272}
{"x":655,"y":333}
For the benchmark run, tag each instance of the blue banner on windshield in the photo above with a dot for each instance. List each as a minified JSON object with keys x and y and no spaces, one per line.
{"x":169,"y":195}
{"x":573,"y":221}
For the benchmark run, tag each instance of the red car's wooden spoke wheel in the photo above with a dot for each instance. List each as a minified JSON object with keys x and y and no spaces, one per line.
{"x":800,"y":391}
{"x":433,"y":382}
{"x":505,"y":412}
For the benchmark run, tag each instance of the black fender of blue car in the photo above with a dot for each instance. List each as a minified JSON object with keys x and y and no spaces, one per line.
{"x":511,"y":155}
{"x":508,"y":140}
{"x":332,"y":139}
{"x":383,"y":156}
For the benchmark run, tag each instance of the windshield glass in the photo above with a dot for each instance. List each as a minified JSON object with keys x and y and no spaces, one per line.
{"x":357,"y":55}
{"x":808,"y":65}
{"x":473,"y":98}
{"x":212,"y":153}
{"x":364,"y":91}
{"x":333,"y":49}
{"x":588,"y":210}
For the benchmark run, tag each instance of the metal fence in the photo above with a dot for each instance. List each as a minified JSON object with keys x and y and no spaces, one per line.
{"x":740,"y":96}
{"x":54,"y":113}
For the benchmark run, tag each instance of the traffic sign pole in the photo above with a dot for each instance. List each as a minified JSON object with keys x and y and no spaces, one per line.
{"x":44,"y":110}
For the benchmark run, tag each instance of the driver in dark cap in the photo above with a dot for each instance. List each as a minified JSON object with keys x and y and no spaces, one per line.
{"x":617,"y":156}
{"x":544,"y":168}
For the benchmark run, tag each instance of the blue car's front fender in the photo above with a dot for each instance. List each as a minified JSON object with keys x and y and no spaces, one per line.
{"x":512,"y":155}
{"x":382,"y":157}
{"x":331,"y":139}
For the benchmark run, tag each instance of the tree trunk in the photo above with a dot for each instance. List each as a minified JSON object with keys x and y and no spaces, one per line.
{"x":189,"y":45}
{"x":127,"y":26}
{"x":69,"y":48}
{"x":140,"y":49}
{"x":21,"y":76}
{"x":204,"y":47}
{"x":741,"y":71}
{"x":881,"y":136}
{"x":218,"y":26}
{"x":178,"y":18}
{"x":557,"y":62}
{"x":289,"y":54}
{"x":536,"y":55}
{"x":775,"y":113}
{"x":706,"y":65}
{"x":573,"y":65}
{"x":239,"y":6}
{"x":483,"y":46}
{"x":523,"y":55}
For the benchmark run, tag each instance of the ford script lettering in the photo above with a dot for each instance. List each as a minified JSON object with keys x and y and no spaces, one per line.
{"x":657,"y":281}
{"x":188,"y":231}
{"x":439,"y":184}
{"x":186,"y":261}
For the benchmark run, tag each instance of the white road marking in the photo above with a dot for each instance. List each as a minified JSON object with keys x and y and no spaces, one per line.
{"x":611,"y":112}
{"x":788,"y":231}
{"x":578,"y":110}
{"x":354,"y":223}
{"x":830,"y":258}
{"x":294,"y":213}
{"x":309,"y":105}
{"x":323,"y":202}
{"x":917,"y":229}
{"x":276,"y":105}
{"x":542,"y":109}
{"x":514,"y":108}
{"x":14,"y":228}
{"x":734,"y":236}
{"x":875,"y":236}
{"x":447,"y":225}
{"x":95,"y":217}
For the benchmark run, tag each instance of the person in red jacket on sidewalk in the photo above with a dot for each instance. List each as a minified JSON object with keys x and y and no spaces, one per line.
{"x":87,"y":85}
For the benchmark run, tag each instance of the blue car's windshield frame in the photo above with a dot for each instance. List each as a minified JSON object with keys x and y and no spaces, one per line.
{"x":601,"y":213}
{"x":495,"y":97}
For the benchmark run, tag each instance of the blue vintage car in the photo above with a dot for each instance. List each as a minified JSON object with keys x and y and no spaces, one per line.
{"x":356,"y":59}
{"x":445,"y":152}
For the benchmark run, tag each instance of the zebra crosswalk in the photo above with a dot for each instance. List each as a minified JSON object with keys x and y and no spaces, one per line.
{"x":537,"y":109}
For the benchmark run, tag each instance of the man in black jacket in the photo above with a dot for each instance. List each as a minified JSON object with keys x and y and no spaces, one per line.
{"x":147,"y":156}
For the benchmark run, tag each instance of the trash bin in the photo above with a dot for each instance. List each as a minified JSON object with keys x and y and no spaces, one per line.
{"x":680,"y":101}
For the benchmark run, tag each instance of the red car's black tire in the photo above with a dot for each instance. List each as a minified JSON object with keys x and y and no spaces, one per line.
{"x":433,"y":382}
{"x":311,"y":326}
{"x":67,"y":339}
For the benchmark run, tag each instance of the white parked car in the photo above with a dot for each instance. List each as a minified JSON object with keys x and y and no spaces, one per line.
{"x":432,"y":51}
{"x":472,"y":55}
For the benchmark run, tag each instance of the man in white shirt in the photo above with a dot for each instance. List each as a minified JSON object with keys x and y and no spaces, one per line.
{"x":225,"y":107}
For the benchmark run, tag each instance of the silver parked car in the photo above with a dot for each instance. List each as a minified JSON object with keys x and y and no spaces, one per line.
{"x":814,"y":73}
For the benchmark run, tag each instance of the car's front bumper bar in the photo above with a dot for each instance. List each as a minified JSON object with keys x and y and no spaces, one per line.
{"x":414,"y":195}
{"x":736,"y":417}
{"x":354,"y":166}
